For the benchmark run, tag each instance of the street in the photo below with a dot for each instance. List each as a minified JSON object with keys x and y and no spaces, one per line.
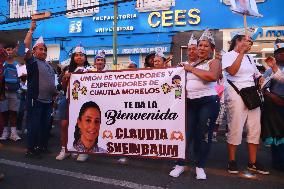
{"x":106,"y":172}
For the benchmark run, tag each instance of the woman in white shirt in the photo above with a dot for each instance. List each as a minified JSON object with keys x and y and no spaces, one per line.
{"x":202,"y":100}
{"x":241,"y":70}
{"x":78,"y":64}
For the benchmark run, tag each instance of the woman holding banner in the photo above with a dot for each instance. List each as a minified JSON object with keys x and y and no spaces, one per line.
{"x":78,"y":64}
{"x":202,"y":101}
{"x":241,"y":73}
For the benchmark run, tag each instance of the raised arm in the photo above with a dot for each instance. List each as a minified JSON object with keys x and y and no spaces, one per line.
{"x":277,"y":73}
{"x":28,"y":38}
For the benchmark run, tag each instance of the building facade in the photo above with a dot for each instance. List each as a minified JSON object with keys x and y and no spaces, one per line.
{"x":143,"y":25}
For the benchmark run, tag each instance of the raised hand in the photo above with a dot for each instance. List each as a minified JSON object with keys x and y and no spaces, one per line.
{"x":271,"y":62}
{"x":33,"y":26}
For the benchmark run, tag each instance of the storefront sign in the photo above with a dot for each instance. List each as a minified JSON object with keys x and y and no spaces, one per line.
{"x":119,"y":17}
{"x":124,"y":28}
{"x":136,"y":50}
{"x":119,"y":29}
{"x":23,"y":8}
{"x":83,"y":5}
{"x":146,"y":116}
{"x":268,"y":33}
{"x":174,"y":18}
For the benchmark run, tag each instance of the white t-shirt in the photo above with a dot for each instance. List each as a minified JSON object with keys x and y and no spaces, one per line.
{"x":21,"y":69}
{"x":246,"y":73}
{"x":196,"y":87}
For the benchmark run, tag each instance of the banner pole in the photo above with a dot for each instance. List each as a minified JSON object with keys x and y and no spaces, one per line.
{"x":115,"y":14}
{"x":245,"y":25}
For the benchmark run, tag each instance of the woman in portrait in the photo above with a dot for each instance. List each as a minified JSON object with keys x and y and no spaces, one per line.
{"x":87,"y":129}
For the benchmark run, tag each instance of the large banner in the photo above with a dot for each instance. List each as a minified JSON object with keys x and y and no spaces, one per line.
{"x":137,"y":113}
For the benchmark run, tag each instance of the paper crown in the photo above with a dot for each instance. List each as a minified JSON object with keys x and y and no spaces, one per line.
{"x":100,"y":54}
{"x":79,"y":49}
{"x":279,"y":44}
{"x":38,"y":42}
{"x":192,"y":40}
{"x":160,"y":53}
{"x":207,"y":35}
{"x":245,"y":7}
{"x":250,"y":32}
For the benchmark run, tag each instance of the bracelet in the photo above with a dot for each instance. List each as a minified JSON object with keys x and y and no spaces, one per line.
{"x":31,"y":32}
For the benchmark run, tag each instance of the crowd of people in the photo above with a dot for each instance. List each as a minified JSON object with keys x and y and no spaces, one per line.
{"x":218,"y":90}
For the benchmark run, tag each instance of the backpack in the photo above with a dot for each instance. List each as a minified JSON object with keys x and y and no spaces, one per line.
{"x":11,"y":79}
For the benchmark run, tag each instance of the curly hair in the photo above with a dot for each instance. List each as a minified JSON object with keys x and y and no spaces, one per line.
{"x":84,"y":108}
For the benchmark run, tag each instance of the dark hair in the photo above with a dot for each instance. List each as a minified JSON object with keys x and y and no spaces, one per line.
{"x":147,"y":58}
{"x":73,"y":65}
{"x":76,"y":81}
{"x":175,"y":77}
{"x":84,"y":108}
{"x":58,"y":70}
{"x":10,"y":45}
{"x":278,"y":51}
{"x":234,"y":41}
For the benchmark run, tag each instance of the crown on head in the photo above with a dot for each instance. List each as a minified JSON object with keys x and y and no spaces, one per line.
{"x":38,"y":41}
{"x":192,"y":40}
{"x":160,"y":53}
{"x":250,"y":32}
{"x":79,"y":49}
{"x":207,"y":35}
{"x":100,"y":54}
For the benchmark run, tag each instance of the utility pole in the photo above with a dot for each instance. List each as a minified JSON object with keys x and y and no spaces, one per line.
{"x":115,"y":12}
